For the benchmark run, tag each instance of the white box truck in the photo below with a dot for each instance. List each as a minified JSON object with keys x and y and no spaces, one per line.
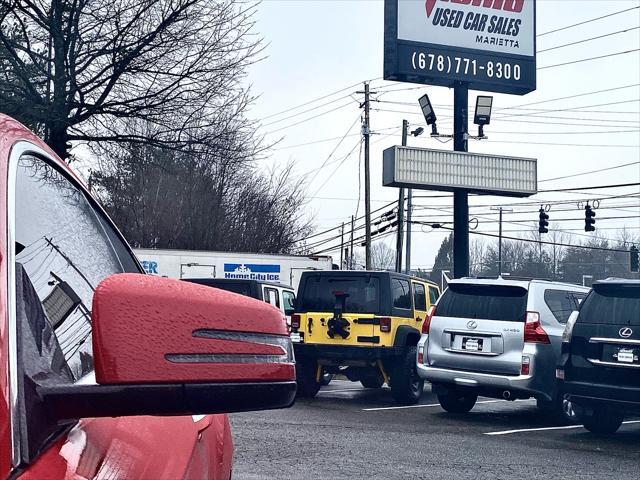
{"x":285,"y":269}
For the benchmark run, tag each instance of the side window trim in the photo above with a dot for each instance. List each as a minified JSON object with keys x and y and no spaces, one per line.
{"x":20,"y":149}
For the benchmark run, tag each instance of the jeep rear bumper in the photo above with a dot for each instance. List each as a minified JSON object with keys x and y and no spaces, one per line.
{"x":346,"y":352}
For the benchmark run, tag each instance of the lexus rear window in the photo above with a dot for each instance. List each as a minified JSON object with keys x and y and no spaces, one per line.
{"x":490,"y":302}
{"x":319,"y":292}
{"x":612,"y":305}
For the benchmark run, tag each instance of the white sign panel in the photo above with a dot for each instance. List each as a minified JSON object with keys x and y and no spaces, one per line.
{"x":427,"y":169}
{"x":498,"y":26}
{"x":487,"y":44}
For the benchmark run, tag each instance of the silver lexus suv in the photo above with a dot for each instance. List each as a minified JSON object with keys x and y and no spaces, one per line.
{"x":497,"y":338}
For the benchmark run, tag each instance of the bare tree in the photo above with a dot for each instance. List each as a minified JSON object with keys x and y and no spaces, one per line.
{"x":383,"y":257}
{"x":81,"y":70}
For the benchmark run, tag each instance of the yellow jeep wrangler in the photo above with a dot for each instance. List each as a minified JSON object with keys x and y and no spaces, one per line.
{"x":361,"y":324}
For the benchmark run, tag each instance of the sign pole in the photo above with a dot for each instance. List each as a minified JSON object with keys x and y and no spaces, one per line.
{"x":460,"y":197}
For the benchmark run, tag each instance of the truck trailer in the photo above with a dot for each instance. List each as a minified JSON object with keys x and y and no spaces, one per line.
{"x":285,"y":269}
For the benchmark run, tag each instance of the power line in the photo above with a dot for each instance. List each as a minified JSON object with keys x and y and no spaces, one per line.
{"x":589,"y":59}
{"x":544,"y":242}
{"x":305,"y":111}
{"x":587,"y":21}
{"x":309,"y":118}
{"x":615,"y":167}
{"x":311,"y":101}
{"x":591,"y":187}
{"x":587,"y":40}
{"x":571,"y":96}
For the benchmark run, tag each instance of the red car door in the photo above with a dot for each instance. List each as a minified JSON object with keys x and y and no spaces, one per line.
{"x":56,"y":245}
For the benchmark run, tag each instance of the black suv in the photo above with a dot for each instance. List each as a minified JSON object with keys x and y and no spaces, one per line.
{"x":599,"y":371}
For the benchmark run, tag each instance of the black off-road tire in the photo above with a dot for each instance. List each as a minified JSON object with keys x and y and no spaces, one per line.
{"x":406,"y":385}
{"x":456,"y":402}
{"x":308,"y":386}
{"x":603,"y":421}
{"x":373,"y":381}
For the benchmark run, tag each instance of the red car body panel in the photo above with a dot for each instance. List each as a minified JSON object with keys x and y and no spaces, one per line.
{"x":125,"y":447}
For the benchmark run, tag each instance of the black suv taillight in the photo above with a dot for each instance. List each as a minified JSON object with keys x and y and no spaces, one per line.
{"x":295,"y":321}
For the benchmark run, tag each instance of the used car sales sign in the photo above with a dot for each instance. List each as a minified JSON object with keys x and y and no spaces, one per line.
{"x":488,"y":44}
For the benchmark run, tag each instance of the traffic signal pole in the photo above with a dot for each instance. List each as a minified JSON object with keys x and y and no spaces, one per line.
{"x":460,"y":197}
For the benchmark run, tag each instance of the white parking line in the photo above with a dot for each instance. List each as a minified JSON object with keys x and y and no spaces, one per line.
{"x":342,"y":390}
{"x":421,"y":406}
{"x":542,"y":429}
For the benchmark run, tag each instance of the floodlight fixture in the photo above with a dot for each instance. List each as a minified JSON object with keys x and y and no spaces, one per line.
{"x":417,"y":132}
{"x":482,"y":114}
{"x":429,"y":114}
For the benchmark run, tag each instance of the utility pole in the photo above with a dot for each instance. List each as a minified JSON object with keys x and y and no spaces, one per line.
{"x":407,"y":263}
{"x":460,"y":197}
{"x":367,"y":180}
{"x":400,"y":233}
{"x":353,"y":222}
{"x":500,"y":209}
{"x":342,"y":246}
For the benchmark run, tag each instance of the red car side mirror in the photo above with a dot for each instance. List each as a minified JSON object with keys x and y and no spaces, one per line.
{"x":166,"y":347}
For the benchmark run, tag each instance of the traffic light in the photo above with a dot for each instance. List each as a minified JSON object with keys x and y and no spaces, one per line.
{"x":543,"y":223}
{"x":589,"y":219}
{"x":634,"y":262}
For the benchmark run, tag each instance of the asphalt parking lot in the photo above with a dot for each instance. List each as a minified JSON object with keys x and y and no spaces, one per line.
{"x":351,"y":432}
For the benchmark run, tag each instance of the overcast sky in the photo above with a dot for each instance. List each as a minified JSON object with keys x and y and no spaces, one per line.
{"x":316,"y":47}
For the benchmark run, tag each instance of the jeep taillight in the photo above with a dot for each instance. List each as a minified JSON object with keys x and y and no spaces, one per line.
{"x":295,"y":321}
{"x":427,"y":320}
{"x":385,"y":324}
{"x":533,"y":331}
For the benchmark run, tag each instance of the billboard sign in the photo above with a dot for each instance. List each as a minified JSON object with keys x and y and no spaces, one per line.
{"x":248,"y":271}
{"x":488,"y":44}
{"x":427,"y":169}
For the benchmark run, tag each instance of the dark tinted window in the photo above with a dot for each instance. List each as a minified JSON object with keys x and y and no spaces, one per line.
{"x":612,"y":305}
{"x":235,"y":287}
{"x":401,"y":293}
{"x":489,"y":302}
{"x":561,"y":303}
{"x":419,"y":297}
{"x":433,"y":295}
{"x":319,"y":294}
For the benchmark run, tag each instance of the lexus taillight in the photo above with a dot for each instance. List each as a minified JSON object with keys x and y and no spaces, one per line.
{"x":385,"y":324}
{"x":533,"y":331}
{"x":427,"y":321}
{"x":295,"y":321}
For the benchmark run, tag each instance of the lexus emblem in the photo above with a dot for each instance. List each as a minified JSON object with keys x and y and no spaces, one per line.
{"x":625,"y":332}
{"x":473,"y":324}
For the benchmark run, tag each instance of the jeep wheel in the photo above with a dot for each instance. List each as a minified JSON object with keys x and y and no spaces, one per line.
{"x":306,"y":371}
{"x":373,"y":381}
{"x":406,"y":385}
{"x":603,"y":420}
{"x":455,"y":402}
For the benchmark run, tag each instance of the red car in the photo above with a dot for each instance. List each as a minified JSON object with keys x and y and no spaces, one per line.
{"x":106,"y":372}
